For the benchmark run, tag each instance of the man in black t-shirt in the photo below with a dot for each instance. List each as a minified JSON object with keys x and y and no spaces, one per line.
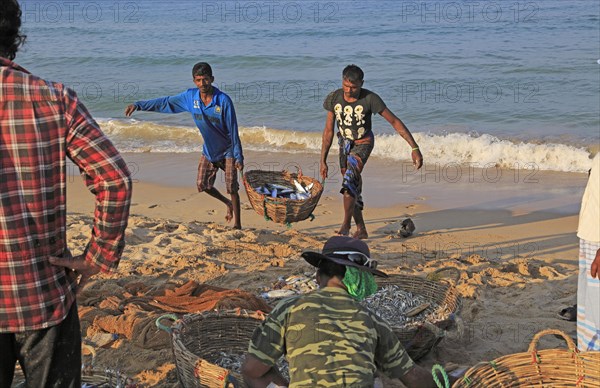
{"x":351,"y":107}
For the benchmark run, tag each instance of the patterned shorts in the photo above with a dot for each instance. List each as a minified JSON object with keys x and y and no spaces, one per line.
{"x":207,"y":173}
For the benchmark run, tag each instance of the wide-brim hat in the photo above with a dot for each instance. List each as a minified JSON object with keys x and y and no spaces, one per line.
{"x":342,"y":244}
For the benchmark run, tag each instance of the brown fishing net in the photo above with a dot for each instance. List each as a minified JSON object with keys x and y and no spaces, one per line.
{"x":133,"y":316}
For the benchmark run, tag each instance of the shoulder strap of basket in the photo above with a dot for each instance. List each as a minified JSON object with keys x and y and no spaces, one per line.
{"x":311,"y":215}
{"x":267,"y":218}
{"x":287,"y":211}
{"x":437,"y":371}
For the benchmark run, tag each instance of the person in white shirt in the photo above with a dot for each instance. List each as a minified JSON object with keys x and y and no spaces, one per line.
{"x":588,"y":287}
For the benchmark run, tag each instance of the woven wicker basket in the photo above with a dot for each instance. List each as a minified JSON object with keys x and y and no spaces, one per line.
{"x":538,"y":368}
{"x":198,"y":340}
{"x":420,"y":340}
{"x":281,"y":210}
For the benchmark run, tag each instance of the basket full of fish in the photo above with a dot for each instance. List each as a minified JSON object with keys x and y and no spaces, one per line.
{"x":209,"y":347}
{"x":419,"y":310}
{"x":281,"y":196}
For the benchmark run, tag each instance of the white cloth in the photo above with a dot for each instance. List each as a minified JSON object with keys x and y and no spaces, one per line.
{"x":589,"y":215}
{"x":588,"y":299}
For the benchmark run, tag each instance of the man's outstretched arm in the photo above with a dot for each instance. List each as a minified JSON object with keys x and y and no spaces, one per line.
{"x":170,"y":104}
{"x":399,"y":126}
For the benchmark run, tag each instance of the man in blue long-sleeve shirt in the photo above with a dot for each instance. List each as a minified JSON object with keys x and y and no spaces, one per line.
{"x":214,"y":116}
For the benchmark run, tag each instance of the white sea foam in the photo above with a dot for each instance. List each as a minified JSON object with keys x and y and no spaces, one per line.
{"x":477,"y":151}
{"x":486,"y":150}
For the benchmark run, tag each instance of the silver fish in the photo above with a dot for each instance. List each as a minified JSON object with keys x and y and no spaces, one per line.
{"x":402,"y":308}
{"x":280,"y":187}
{"x":234,"y":363}
{"x":299,"y":187}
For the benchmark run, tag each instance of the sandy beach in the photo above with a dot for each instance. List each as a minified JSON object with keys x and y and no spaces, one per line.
{"x":501,"y":98}
{"x":514,"y":243}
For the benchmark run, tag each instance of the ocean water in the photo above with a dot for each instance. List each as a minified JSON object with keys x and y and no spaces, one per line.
{"x":479,"y":82}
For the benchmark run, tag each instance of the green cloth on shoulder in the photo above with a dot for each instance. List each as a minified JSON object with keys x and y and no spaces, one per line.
{"x":360,"y":284}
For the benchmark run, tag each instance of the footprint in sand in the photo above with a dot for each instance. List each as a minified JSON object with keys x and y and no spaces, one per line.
{"x":325,"y":212}
{"x":144,"y":224}
{"x":420,"y":198}
{"x":171,"y":227}
{"x":411,"y":206}
{"x":152,"y":206}
{"x":429,"y":255}
{"x":246,"y":206}
{"x":161,"y":241}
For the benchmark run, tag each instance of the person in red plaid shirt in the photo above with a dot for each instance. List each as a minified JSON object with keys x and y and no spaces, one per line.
{"x":41,"y":124}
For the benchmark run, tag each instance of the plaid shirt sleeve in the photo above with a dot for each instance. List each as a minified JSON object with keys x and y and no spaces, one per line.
{"x":106,"y":176}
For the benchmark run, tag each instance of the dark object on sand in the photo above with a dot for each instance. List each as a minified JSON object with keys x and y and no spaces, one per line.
{"x":569,"y":313}
{"x":407,"y":228}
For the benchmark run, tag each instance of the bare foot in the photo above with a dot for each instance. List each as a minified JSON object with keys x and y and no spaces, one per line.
{"x":360,"y":234}
{"x":343,"y":231}
{"x":229,"y":215}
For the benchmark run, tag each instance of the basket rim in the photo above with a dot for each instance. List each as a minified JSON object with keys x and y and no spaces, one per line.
{"x":283,"y":173}
{"x":179,"y":324}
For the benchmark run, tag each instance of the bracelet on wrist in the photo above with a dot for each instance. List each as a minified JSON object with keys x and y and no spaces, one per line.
{"x":415,"y":149}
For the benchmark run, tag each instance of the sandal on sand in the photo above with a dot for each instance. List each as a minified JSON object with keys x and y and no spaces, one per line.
{"x":569,"y":313}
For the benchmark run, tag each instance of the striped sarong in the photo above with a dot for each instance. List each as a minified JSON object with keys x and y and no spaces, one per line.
{"x":353,"y":156}
{"x":588,"y":299}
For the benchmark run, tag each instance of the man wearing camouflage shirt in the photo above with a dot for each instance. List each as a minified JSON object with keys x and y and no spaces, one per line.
{"x":330,"y":339}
